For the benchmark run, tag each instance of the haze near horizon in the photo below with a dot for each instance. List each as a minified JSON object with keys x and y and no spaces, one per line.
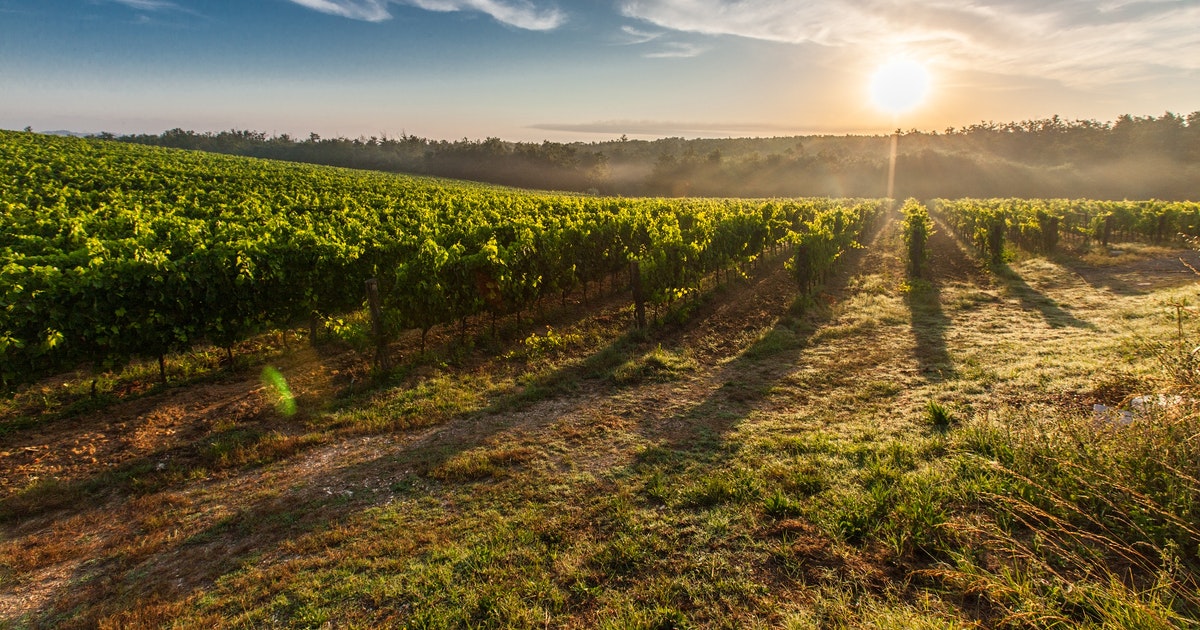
{"x":531,"y":70}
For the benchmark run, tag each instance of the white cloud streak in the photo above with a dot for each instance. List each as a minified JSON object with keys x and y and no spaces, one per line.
{"x":1073,"y":41}
{"x":676,"y":50}
{"x":367,"y":10}
{"x":148,"y":5}
{"x":516,"y":13}
{"x":632,"y":36}
{"x":662,"y":47}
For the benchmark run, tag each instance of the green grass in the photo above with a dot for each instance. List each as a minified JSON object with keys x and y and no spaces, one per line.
{"x":791,"y":474}
{"x":938,"y":415}
{"x":656,"y":365}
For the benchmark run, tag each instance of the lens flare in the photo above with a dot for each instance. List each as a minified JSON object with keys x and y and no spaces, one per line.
{"x":286,"y":403}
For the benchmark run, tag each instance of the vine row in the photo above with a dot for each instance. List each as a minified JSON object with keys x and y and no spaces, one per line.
{"x":110,"y":252}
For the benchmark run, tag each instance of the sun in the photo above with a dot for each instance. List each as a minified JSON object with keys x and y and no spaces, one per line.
{"x":899,"y":85}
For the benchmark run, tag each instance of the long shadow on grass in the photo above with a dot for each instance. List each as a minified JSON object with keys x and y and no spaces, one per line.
{"x":744,"y":384}
{"x":168,"y":468}
{"x":694,"y":463}
{"x":114,"y":580}
{"x":749,"y":379}
{"x":318,"y":499}
{"x":1033,"y":300}
{"x":929,"y":325}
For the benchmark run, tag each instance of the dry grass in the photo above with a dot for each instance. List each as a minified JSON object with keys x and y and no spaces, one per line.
{"x":750,"y":466}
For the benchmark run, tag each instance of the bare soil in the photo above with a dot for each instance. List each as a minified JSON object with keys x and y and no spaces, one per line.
{"x":132,"y":503}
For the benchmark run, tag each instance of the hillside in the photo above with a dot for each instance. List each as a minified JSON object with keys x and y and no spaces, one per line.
{"x":111,"y":252}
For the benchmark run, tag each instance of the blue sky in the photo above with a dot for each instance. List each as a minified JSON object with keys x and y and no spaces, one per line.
{"x":589,"y":70}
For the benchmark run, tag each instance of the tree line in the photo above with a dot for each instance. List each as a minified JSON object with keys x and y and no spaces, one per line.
{"x":1131,"y":157}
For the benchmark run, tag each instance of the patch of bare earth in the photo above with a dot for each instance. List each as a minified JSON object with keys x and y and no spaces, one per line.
{"x":187,"y":524}
{"x":138,"y":501}
{"x":141,"y":515}
{"x":204,"y":527}
{"x":89,"y":497}
{"x":1137,"y":275}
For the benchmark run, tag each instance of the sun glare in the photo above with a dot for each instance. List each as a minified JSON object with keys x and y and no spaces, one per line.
{"x":899,"y":85}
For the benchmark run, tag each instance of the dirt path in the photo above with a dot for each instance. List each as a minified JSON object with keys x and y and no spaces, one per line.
{"x":73,"y":527}
{"x":861,"y":362}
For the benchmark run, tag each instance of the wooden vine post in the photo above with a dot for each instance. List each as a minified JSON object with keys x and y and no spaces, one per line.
{"x":639,"y":300}
{"x":377,"y":330}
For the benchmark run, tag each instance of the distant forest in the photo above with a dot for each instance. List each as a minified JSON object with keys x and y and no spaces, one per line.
{"x":1130,"y":158}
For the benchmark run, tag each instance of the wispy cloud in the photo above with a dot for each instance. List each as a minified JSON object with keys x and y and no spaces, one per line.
{"x":519,"y":14}
{"x":368,"y":10}
{"x":633,"y":36}
{"x":148,"y":5}
{"x":677,"y":50}
{"x":516,"y":13}
{"x":157,"y":12}
{"x":662,"y":47}
{"x":1075,"y":41}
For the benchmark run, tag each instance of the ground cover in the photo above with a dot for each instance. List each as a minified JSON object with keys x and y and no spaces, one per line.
{"x":752,"y":461}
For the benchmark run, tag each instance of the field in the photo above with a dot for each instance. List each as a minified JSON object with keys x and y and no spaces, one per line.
{"x":890,"y":450}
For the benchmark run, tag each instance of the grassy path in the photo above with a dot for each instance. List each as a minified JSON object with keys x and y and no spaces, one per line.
{"x":748,"y":466}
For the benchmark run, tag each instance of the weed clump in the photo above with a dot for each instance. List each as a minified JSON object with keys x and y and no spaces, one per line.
{"x":938,"y":415}
{"x":1096,"y":524}
{"x":658,"y":365}
{"x":779,"y":506}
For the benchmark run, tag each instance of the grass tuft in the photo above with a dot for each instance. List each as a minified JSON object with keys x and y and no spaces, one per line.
{"x":778,"y":506}
{"x":658,"y":365}
{"x":479,"y":464}
{"x":938,"y":415}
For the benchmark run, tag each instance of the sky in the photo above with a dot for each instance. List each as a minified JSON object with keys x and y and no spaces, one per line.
{"x":590,"y":70}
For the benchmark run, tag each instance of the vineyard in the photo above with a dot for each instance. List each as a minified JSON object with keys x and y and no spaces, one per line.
{"x":838,"y":413}
{"x":1038,"y":225}
{"x":111,"y":252}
